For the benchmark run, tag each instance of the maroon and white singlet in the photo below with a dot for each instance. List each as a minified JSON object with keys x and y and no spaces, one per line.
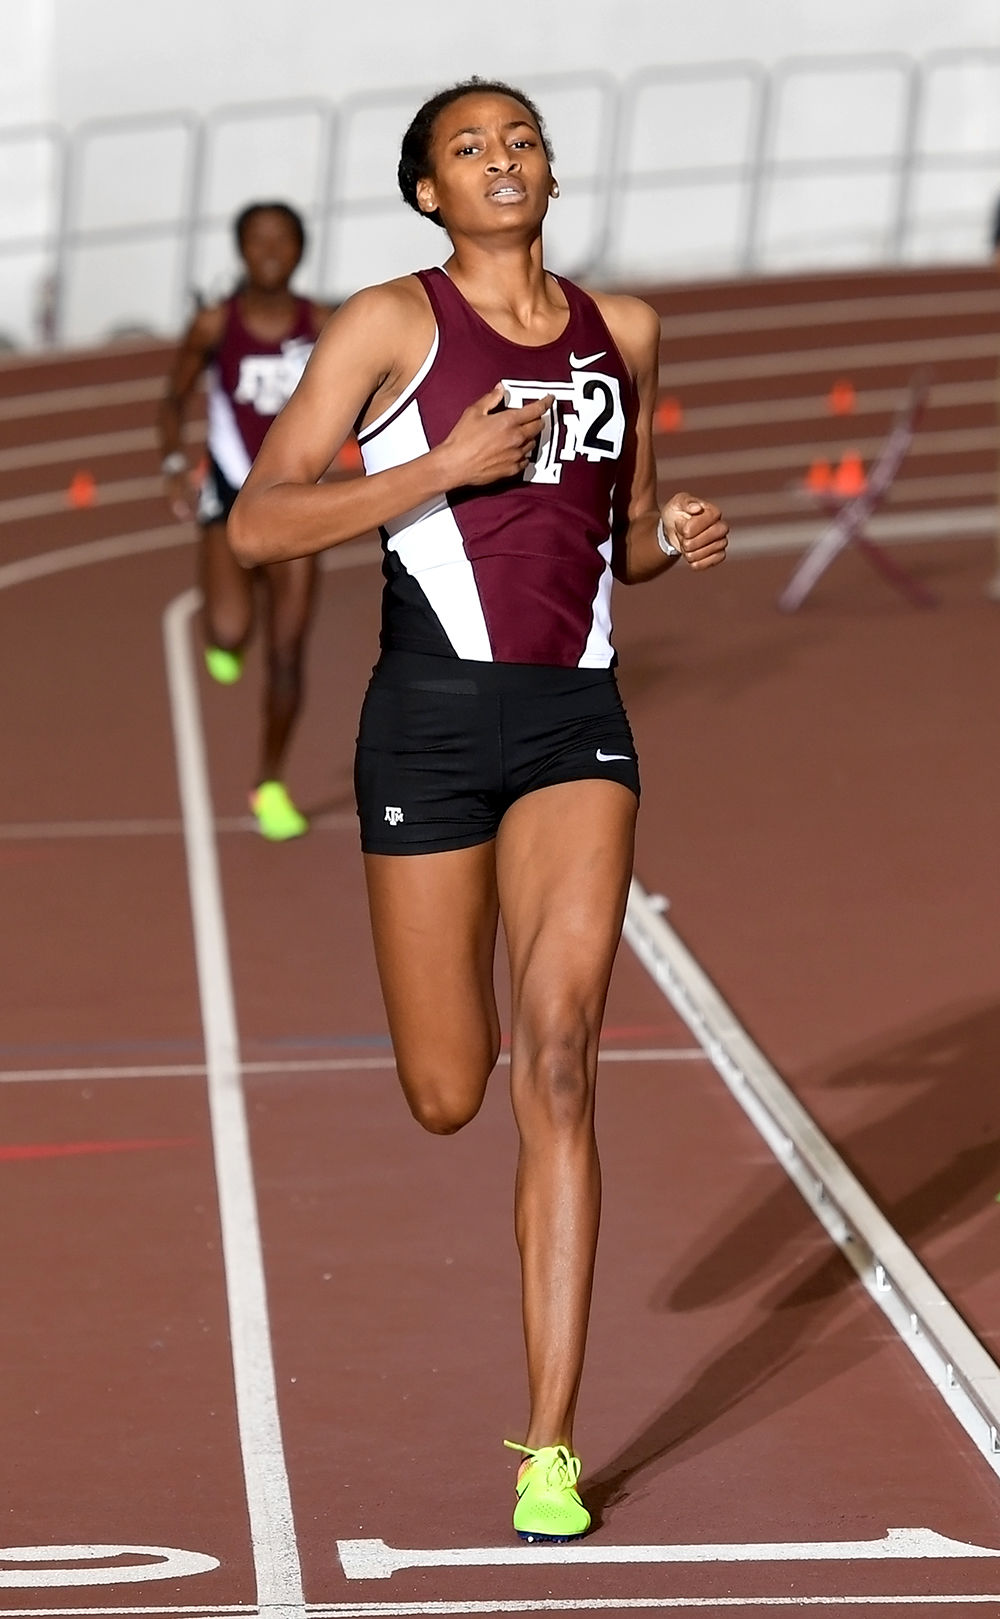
{"x":249,"y":381}
{"x":518,"y":571}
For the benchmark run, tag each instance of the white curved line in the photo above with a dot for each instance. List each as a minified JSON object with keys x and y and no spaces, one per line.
{"x":172,"y":1564}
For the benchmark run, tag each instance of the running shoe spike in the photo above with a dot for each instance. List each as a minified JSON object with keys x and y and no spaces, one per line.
{"x":548,"y":1505}
{"x":277,"y":817}
{"x":225,"y":667}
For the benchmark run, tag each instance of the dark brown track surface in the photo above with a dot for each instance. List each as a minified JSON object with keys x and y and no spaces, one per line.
{"x":820,"y":807}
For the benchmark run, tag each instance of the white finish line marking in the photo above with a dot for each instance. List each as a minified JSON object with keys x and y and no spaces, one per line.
{"x":374,"y":1560}
{"x":309,"y":1065}
{"x":92,"y":1565}
{"x":418,"y":1610}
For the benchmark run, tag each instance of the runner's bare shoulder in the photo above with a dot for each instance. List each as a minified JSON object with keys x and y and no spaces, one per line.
{"x":633,"y":323}
{"x":382,"y":332}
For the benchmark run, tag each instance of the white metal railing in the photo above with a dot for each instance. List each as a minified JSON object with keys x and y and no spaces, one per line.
{"x":867,"y":159}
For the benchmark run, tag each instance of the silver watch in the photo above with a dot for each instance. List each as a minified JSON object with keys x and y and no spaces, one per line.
{"x":664,"y":544}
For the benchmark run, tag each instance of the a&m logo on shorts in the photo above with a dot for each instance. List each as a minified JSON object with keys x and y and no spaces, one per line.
{"x":393,"y":814}
{"x":585,"y":420}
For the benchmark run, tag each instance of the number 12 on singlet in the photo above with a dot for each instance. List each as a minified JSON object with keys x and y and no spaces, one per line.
{"x":585,"y":421}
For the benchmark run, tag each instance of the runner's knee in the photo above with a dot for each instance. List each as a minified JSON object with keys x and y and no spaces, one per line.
{"x":441,"y":1105}
{"x":553,"y":1082}
{"x":442,"y":1115}
{"x":228,"y":625}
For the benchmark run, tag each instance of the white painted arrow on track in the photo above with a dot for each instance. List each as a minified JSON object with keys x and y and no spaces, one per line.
{"x":374,"y":1560}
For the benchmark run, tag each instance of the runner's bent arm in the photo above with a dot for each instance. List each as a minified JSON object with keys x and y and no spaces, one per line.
{"x":196,"y":347}
{"x":692,"y":525}
{"x":364,"y":354}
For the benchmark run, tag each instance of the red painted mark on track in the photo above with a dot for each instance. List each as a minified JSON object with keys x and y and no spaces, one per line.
{"x":76,"y":1149}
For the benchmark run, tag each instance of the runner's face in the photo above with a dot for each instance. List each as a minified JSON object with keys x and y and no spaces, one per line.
{"x":489,"y":170}
{"x":270,"y":250}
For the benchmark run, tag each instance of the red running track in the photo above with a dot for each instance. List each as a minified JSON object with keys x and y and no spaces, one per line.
{"x":820,"y":808}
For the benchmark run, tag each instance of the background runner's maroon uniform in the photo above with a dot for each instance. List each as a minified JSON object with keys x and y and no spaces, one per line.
{"x":519,"y":572}
{"x":249,"y":381}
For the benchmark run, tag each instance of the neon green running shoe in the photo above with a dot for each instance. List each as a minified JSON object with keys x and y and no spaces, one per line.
{"x":277,"y":816}
{"x":225,"y":667}
{"x":548,"y":1506}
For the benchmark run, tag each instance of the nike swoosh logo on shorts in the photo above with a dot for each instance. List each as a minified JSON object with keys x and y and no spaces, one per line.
{"x":606,"y":758}
{"x":588,"y":359}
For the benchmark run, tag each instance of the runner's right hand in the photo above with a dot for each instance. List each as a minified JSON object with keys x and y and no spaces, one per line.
{"x":490,"y":442}
{"x":180,"y":495}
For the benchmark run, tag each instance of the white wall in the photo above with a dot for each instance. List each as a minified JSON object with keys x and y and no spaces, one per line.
{"x":162,"y":53}
{"x":27,"y":182}
{"x":82,"y":61}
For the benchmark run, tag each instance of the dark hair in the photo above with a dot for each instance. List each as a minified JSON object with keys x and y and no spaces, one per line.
{"x":414,"y":157}
{"x":287,"y":212}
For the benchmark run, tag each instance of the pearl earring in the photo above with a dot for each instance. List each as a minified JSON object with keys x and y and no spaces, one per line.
{"x":555,"y":189}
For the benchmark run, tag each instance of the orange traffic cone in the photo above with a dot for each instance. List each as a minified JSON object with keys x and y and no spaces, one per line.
{"x":849,"y":478}
{"x":82,"y":489}
{"x":842,"y":397}
{"x":819,"y":478}
{"x":669,"y":416}
{"x":348,"y":457}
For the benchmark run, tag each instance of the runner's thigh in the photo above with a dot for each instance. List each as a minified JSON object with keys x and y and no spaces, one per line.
{"x":564,"y":859}
{"x":434,"y":924}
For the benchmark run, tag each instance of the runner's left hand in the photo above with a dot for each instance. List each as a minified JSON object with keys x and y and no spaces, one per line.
{"x":697,"y":528}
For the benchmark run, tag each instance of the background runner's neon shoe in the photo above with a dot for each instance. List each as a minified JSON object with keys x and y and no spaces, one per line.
{"x":225,"y":667}
{"x":548,"y":1506}
{"x":277,"y":816}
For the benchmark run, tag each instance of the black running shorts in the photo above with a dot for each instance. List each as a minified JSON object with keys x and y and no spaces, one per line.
{"x":216,"y":496}
{"x":446,"y":745}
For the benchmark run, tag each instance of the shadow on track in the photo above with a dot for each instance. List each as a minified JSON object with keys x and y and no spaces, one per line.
{"x":930,"y":1164}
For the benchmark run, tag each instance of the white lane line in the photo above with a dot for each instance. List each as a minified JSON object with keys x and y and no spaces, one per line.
{"x":210,"y":1610}
{"x":904,"y":527}
{"x":357,"y":553}
{"x":213,"y":1610}
{"x":84,"y":556}
{"x":795,"y":455}
{"x":829,"y":311}
{"x":42,"y":831}
{"x":954,"y":1359}
{"x":50,"y":503}
{"x":834,"y":359}
{"x":90,"y":396}
{"x":275,"y":1551}
{"x":309,"y":1065}
{"x":374,"y":1560}
{"x":128,"y":441}
{"x":427,"y":1610}
{"x":906,"y":495}
{"x":418,"y":1610}
{"x":441,"y":1609}
{"x":814,"y":407}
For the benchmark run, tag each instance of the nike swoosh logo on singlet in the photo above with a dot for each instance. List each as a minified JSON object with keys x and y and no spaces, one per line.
{"x":588,"y":359}
{"x":605,"y":758}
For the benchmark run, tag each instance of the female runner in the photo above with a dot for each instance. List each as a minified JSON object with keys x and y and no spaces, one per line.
{"x":254,"y":347}
{"x":505,"y":420}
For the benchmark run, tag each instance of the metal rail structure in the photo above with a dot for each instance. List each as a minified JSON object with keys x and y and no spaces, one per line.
{"x":851,"y":513}
{"x":863,"y":160}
